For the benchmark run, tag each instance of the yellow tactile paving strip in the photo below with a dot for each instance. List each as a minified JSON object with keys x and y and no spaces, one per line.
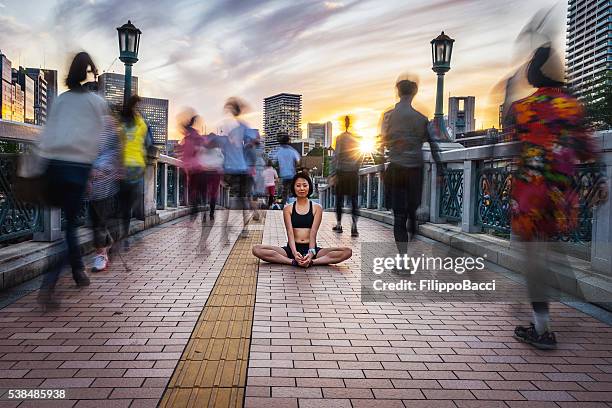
{"x":213,"y":368}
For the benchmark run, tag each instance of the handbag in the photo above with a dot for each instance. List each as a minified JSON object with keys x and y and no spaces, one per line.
{"x":31,"y":184}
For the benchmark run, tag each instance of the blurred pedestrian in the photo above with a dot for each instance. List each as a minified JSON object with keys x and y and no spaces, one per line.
{"x":403,"y":131}
{"x":347,"y":161}
{"x":191,"y":147}
{"x":104,"y":187}
{"x":554,"y":139}
{"x":288,"y":159}
{"x":211,"y":161}
{"x":235,"y":168}
{"x":70,"y":143}
{"x":136,"y":138}
{"x":270,"y":177}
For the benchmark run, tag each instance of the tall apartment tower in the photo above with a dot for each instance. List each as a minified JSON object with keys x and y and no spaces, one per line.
{"x":6,"y":88}
{"x":41,"y":93}
{"x":589,"y":48}
{"x":155,"y":112}
{"x":51,"y":78}
{"x":461,"y":111}
{"x":111,"y":86}
{"x":282,"y":113}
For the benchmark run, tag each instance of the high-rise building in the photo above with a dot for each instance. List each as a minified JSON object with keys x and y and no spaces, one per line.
{"x":6,"y":88}
{"x":588,"y":48}
{"x":111,"y":87}
{"x":51,"y":78}
{"x":321,"y":133}
{"x":17,"y":103}
{"x":282,"y":113}
{"x":155,"y":112}
{"x":40,"y":95}
{"x":26,"y":83}
{"x":461,"y":111}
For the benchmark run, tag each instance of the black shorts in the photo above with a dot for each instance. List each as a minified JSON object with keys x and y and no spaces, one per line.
{"x":240,"y":184}
{"x":301,"y":248}
{"x":347,"y":183}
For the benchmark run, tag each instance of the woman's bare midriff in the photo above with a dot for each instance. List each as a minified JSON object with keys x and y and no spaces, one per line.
{"x":301,"y":235}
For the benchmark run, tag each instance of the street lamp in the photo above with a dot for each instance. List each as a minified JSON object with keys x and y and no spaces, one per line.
{"x":129,"y":41}
{"x":441,"y":52}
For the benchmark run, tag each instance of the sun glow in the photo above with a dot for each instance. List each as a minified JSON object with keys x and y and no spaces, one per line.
{"x":367,"y":145}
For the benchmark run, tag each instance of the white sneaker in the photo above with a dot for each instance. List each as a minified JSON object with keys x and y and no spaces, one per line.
{"x":99,"y":263}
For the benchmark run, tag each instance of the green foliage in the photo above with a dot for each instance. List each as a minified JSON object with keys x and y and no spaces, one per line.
{"x":598,"y":103}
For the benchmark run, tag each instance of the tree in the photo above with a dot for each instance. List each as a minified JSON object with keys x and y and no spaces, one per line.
{"x":598,"y":102}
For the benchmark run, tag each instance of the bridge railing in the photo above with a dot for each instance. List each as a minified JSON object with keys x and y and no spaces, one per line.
{"x":474,"y":193}
{"x":165,"y":187}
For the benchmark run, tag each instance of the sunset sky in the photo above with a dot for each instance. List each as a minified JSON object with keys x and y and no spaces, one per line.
{"x":342,"y":56}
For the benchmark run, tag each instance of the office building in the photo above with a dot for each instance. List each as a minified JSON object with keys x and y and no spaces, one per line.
{"x":155,"y":112}
{"x":321,"y":132}
{"x":6,"y":88}
{"x":17,"y":103}
{"x":111,"y":87}
{"x":282,"y":113}
{"x":26,"y":84}
{"x":461,"y":111}
{"x":589,"y":48}
{"x":40,"y":95}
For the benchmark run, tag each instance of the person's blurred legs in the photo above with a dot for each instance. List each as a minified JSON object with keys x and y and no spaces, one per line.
{"x":100,"y":212}
{"x":339,"y":205}
{"x":355,"y":215}
{"x":69,"y":182}
{"x":128,"y":194}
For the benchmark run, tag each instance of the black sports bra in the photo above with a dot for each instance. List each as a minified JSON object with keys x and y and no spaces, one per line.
{"x":302,"y":220}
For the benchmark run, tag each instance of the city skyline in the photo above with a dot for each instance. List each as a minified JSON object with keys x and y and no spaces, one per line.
{"x":343,"y":57}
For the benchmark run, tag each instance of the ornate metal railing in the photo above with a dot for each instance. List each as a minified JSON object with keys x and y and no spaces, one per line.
{"x":374,"y":192}
{"x":363,"y":189}
{"x":493,"y":187}
{"x":159,"y":184}
{"x":18,"y":220}
{"x":451,"y":197}
{"x":171,"y":190}
{"x":182,"y":187}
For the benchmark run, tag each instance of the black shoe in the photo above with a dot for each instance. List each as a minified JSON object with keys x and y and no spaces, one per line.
{"x":354,"y":232}
{"x":81,"y":278}
{"x":528,"y":334}
{"x":212,"y":216}
{"x":337,"y":228}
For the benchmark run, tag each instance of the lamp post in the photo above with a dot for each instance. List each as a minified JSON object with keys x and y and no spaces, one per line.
{"x":129,"y":41}
{"x":441,"y":52}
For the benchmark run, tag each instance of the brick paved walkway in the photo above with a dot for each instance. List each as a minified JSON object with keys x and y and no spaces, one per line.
{"x":314,"y":344}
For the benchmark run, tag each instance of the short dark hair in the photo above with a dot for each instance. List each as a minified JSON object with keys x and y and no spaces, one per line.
{"x":406,"y":87}
{"x":129,"y":110}
{"x":305,"y":176}
{"x":269,"y":163}
{"x":78,"y":70}
{"x":283,"y":138}
{"x":235,"y":106}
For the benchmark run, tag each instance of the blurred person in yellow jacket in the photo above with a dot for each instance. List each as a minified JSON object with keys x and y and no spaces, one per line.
{"x":135,"y":135}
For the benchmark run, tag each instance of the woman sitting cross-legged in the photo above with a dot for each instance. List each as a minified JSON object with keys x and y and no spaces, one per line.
{"x":302,"y":221}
